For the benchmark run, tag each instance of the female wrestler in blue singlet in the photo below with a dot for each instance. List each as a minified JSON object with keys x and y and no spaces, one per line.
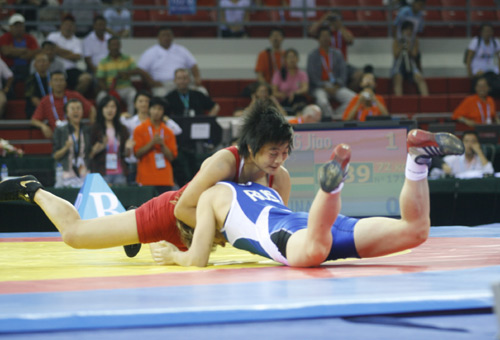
{"x":253,"y":217}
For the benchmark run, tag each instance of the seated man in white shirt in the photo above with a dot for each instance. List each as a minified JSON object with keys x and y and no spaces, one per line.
{"x":70,"y":49}
{"x":161,"y":60}
{"x":473,"y":163}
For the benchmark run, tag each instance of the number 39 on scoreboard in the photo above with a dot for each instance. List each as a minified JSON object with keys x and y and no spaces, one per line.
{"x":360,"y":173}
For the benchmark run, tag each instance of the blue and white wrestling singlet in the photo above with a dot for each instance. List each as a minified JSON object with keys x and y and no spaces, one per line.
{"x":260,"y":223}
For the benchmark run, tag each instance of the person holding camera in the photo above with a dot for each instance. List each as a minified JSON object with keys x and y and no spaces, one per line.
{"x":366,"y":103}
{"x":341,"y":38}
{"x":405,"y":51}
{"x":327,"y":74}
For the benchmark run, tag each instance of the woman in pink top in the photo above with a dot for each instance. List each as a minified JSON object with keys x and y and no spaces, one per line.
{"x":290,"y":84}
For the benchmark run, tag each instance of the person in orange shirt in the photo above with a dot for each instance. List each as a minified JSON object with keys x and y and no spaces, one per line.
{"x":478,"y":108}
{"x":270,"y":59}
{"x":366,"y":103}
{"x":155,"y":148}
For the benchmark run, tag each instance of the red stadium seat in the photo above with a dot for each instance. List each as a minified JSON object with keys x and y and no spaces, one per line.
{"x":454,"y":15}
{"x":224,"y":88}
{"x":15,"y":134}
{"x":404,"y":104}
{"x":371,"y":3}
{"x":16,"y":109}
{"x":454,"y":3}
{"x":459,"y":85}
{"x":141,"y":15}
{"x":384,"y":86}
{"x":437,"y":85}
{"x":344,"y":3}
{"x":436,"y":3}
{"x":433,"y":15}
{"x":482,"y":3}
{"x":227,"y":106}
{"x":371,"y":15}
{"x":434,"y":103}
{"x":483,"y":15}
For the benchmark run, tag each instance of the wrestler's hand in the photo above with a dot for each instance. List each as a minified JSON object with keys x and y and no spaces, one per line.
{"x":163,"y":252}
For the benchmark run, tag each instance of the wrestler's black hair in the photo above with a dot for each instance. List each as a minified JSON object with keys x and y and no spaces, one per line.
{"x":264,"y":124}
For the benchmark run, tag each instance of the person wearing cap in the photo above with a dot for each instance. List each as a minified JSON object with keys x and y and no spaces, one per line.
{"x":18,"y":48}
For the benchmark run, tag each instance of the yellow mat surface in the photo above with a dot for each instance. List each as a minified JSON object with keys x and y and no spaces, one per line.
{"x":21,"y":261}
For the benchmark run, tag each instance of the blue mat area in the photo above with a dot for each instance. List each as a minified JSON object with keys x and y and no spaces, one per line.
{"x":486,"y":230}
{"x":256,"y":301}
{"x":435,"y":327}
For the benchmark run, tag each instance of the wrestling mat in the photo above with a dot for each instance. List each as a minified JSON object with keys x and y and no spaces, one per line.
{"x":48,"y":288}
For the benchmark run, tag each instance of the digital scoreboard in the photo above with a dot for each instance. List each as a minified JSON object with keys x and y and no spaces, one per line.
{"x":376,"y":171}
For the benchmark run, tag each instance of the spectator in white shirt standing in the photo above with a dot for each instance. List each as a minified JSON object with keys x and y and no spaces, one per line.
{"x":473,"y":163}
{"x":95,"y":44}
{"x":161,"y":60}
{"x":235,"y":15}
{"x":480,"y":59}
{"x":70,"y":49}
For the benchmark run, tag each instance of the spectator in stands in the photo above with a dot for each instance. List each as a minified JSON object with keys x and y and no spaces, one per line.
{"x":290,"y":84}
{"x":119,"y":19}
{"x":161,"y":60}
{"x":51,"y":107}
{"x":263,"y":92}
{"x":70,"y":49}
{"x":55,"y":63}
{"x":234,"y":16}
{"x":310,"y":114}
{"x":478,"y":108}
{"x":114,"y":72}
{"x":473,"y":163}
{"x":366,"y":103}
{"x":405,"y":51}
{"x":84,"y":12}
{"x":37,"y":84}
{"x":341,"y":38}
{"x":189,"y":103}
{"x":18,"y":48}
{"x":270,"y":59}
{"x":482,"y":58}
{"x":72,"y":145}
{"x":414,"y":13}
{"x":110,"y":143}
{"x":5,"y":73}
{"x":155,"y":148}
{"x":141,"y":105}
{"x":327,"y":73}
{"x":95,"y":44}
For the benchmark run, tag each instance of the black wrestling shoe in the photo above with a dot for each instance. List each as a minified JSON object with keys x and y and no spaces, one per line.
{"x":332,"y":174}
{"x":19,"y":188}
{"x":132,"y":249}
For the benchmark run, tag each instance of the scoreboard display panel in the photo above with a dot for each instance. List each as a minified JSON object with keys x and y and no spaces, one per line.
{"x":376,"y":171}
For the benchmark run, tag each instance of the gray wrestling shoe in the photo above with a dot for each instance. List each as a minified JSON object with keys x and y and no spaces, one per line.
{"x":132,"y":249}
{"x":424,"y":145}
{"x":332,"y":174}
{"x":19,"y":188}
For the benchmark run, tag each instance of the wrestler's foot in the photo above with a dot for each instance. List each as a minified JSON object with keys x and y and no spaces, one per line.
{"x":132,"y":249}
{"x":332,"y":174}
{"x":423,"y":145}
{"x":19,"y":188}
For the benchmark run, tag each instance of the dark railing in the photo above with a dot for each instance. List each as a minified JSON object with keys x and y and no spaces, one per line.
{"x":281,"y":19}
